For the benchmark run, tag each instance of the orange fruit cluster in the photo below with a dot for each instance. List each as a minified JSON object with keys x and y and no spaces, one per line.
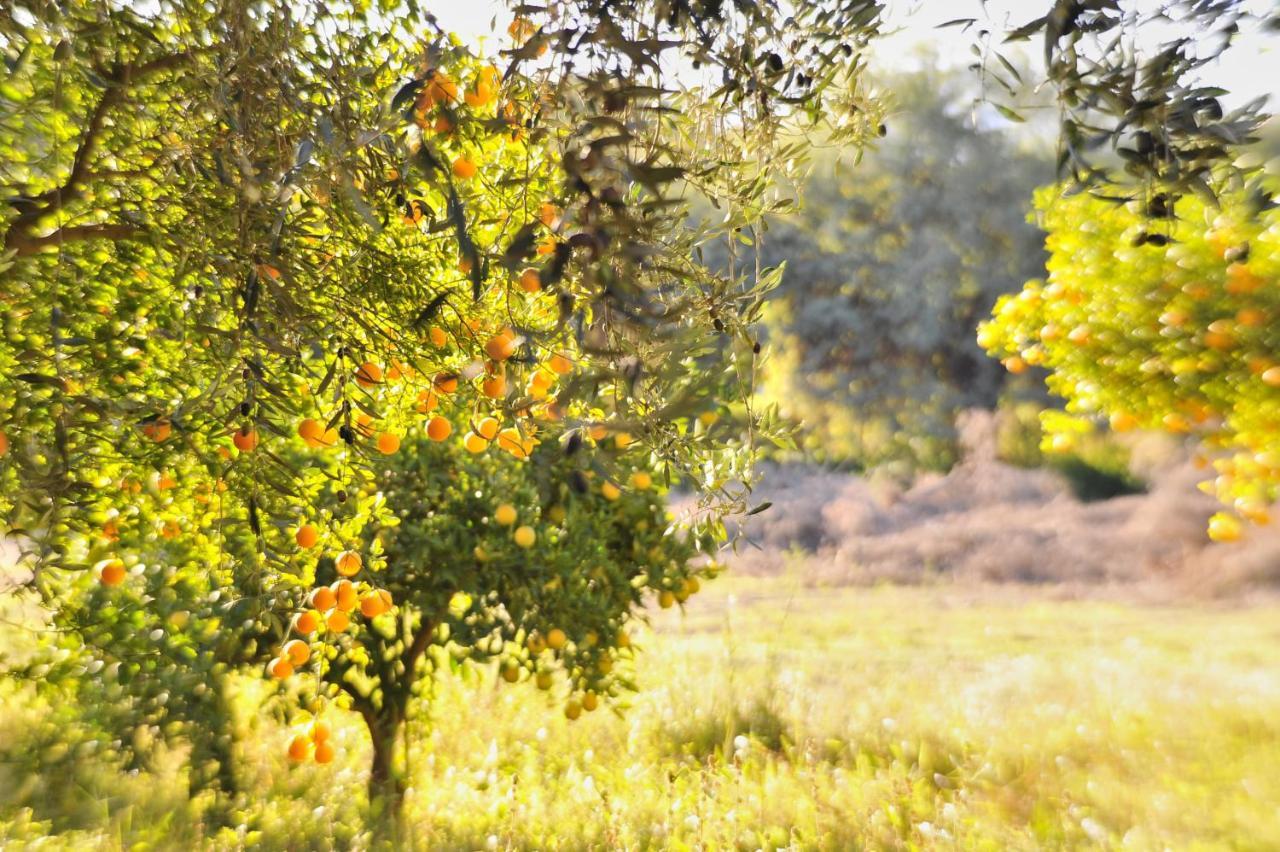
{"x":314,"y":743}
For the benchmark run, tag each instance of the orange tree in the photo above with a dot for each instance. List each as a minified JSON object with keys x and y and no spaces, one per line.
{"x":1170,"y":330}
{"x":537,"y":563}
{"x":252,"y":247}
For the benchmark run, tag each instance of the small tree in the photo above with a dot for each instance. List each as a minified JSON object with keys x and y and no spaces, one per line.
{"x":538,"y":565}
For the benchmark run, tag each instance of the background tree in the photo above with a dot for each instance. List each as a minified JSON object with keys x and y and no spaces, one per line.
{"x":890,"y":265}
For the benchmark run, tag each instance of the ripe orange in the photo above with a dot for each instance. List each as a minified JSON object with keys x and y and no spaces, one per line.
{"x":556,"y":638}
{"x":399,"y":370}
{"x":548,"y":214}
{"x":307,"y":622}
{"x":338,"y":621}
{"x":375,"y":603}
{"x":488,"y":428}
{"x":439,"y":428}
{"x":306,"y":536}
{"x":112,"y":573}
{"x":348,"y":563}
{"x":443,"y":124}
{"x":388,"y":443}
{"x":510,"y":672}
{"x":4,"y":444}
{"x":324,"y":752}
{"x":156,"y":430}
{"x":624,"y":639}
{"x":368,"y":374}
{"x":560,"y":363}
{"x":1272,"y":376}
{"x":297,"y":651}
{"x":1251,"y":317}
{"x":311,"y":431}
{"x":319,"y":731}
{"x":505,"y":515}
{"x":1122,"y":421}
{"x":441,"y":89}
{"x":610,"y":491}
{"x":501,"y":346}
{"x":438,"y":336}
{"x":641,"y":480}
{"x":474,"y":443}
{"x":509,"y":439}
{"x":279,"y":668}
{"x":525,"y":537}
{"x":1015,"y":365}
{"x":535,"y":643}
{"x":323,"y":599}
{"x":245,"y":439}
{"x":445,"y":382}
{"x":535,"y":388}
{"x":494,"y":387}
{"x":427,"y":401}
{"x":530,"y":280}
{"x":464,"y":168}
{"x":298,"y":748}
{"x":1241,"y":280}
{"x":1219,"y":340}
{"x":344,"y":595}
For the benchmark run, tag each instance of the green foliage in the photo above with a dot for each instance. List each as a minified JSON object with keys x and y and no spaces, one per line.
{"x":1174,"y":336}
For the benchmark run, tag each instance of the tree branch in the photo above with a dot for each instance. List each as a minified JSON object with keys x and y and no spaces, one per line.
{"x":36,"y":207}
{"x":417,"y":648}
{"x":28,"y":245}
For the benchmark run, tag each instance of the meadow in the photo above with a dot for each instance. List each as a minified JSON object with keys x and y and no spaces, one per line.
{"x":772,"y":714}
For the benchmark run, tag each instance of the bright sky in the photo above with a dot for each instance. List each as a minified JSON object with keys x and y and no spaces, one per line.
{"x":1250,"y":69}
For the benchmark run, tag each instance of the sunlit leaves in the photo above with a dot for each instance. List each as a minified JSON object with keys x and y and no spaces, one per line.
{"x":1174,"y":335}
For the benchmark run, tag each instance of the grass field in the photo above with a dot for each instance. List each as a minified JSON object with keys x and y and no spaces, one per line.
{"x":773,"y":716}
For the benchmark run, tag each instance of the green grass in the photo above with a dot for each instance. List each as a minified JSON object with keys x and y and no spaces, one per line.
{"x":775,"y":716}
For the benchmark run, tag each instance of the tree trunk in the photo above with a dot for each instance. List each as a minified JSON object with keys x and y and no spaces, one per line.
{"x":213,"y":755}
{"x":386,"y":784}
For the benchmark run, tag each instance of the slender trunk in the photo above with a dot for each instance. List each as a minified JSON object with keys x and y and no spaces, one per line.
{"x":386,"y":784}
{"x":213,"y":767}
